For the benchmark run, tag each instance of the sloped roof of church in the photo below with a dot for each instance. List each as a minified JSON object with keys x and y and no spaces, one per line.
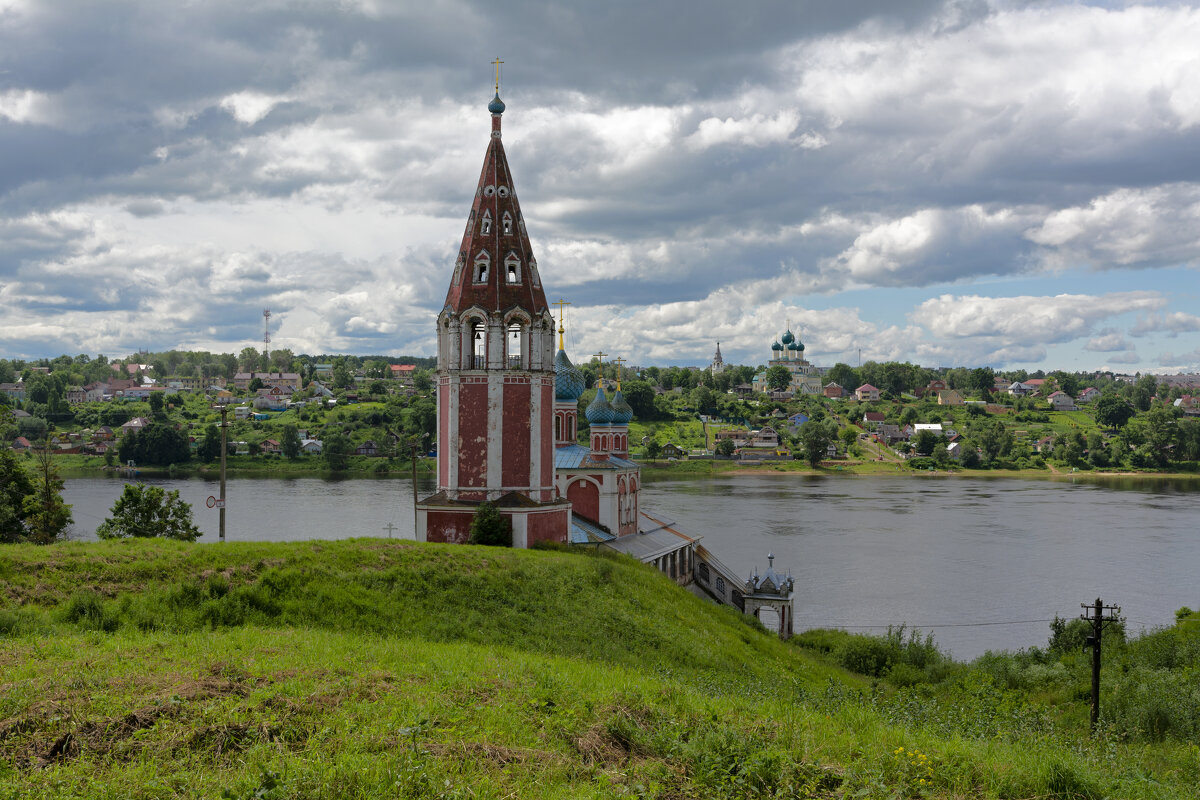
{"x":576,"y":456}
{"x":489,"y":239}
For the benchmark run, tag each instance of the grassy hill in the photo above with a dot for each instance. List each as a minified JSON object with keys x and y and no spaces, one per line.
{"x":367,"y":668}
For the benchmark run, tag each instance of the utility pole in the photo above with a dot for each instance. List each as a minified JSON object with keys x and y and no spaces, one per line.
{"x":1097,"y":617}
{"x":224,"y":409}
{"x":414,"y":487}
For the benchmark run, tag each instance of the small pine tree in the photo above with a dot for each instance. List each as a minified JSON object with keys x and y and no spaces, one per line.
{"x":490,"y":527}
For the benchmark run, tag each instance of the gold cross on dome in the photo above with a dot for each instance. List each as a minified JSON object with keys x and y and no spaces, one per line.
{"x":619,"y":362}
{"x":497,"y":64}
{"x":561,"y":330}
{"x":600,"y":357}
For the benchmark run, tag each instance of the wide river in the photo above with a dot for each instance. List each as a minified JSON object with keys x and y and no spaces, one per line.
{"x":984,"y":563}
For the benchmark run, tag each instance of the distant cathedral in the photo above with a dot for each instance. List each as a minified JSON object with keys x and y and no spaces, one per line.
{"x":788,"y":352}
{"x":507,"y":404}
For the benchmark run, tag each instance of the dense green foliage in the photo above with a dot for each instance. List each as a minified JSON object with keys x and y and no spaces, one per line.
{"x":148,"y":511}
{"x":489,"y":527}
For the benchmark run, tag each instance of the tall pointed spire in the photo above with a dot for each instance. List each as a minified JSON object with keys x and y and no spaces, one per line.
{"x":496,"y":269}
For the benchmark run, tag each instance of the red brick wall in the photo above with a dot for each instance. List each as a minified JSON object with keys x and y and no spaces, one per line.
{"x":547,"y":527}
{"x":449,"y":526}
{"x":585,"y":499}
{"x":515,"y":434}
{"x":472,"y":435}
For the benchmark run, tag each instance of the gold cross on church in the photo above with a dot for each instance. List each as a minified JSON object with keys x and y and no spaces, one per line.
{"x":561,"y":330}
{"x":497,"y":64}
{"x":619,"y":362}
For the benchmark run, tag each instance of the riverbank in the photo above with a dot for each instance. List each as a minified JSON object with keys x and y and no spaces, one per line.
{"x":652,"y":470}
{"x":259,"y":466}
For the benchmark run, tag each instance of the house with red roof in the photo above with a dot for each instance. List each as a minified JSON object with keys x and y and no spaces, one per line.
{"x":866,"y":392}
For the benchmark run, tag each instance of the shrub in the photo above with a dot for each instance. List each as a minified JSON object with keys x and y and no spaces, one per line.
{"x":490,"y":527}
{"x":87,"y":610}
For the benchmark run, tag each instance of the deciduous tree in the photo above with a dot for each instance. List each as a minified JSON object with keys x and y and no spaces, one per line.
{"x":46,"y":515}
{"x":289,"y":442}
{"x":778,"y":378}
{"x":149,"y":511}
{"x":815,"y":438}
{"x":15,"y":486}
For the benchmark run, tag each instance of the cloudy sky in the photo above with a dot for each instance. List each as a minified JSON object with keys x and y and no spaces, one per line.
{"x":960,"y":182}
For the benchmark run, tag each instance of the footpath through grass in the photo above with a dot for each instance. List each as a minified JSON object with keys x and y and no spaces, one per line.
{"x":369,"y":669}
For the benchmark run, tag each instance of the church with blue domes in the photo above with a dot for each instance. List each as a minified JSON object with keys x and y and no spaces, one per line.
{"x":788,"y":352}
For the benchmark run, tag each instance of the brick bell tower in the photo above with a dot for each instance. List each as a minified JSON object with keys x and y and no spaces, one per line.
{"x":495,"y":377}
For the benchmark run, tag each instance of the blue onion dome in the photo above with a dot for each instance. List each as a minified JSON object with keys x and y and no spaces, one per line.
{"x":788,"y":338}
{"x":795,"y":346}
{"x":622,"y":412}
{"x":800,"y":345}
{"x":569,"y":382}
{"x":497,"y":105}
{"x":777,"y":346}
{"x":599,"y":411}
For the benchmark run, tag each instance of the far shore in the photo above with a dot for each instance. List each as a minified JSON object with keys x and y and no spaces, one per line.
{"x":361,"y":467}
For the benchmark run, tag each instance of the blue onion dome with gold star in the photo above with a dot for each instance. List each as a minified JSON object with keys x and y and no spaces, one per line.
{"x":777,"y":346}
{"x":794,"y":346}
{"x":497,"y":105}
{"x":787,"y":337}
{"x":622,"y":411}
{"x":599,"y":411}
{"x":569,"y":382}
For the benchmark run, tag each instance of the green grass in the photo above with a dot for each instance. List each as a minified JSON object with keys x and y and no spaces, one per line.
{"x":368,"y":668}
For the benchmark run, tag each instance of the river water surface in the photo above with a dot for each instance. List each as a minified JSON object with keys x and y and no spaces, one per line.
{"x":984,"y":563}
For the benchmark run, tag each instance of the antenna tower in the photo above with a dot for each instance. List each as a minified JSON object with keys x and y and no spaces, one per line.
{"x":267,"y":334}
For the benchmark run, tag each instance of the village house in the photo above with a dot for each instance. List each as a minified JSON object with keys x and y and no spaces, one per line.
{"x":739,"y":436}
{"x":75,"y":395}
{"x":242,"y":380}
{"x":311,"y":446}
{"x":887,"y":433}
{"x":1061,"y":401}
{"x":273,"y":398}
{"x":833,"y":391}
{"x":1088,"y":395}
{"x":269,"y":447}
{"x":672,"y":450}
{"x":866,"y":392}
{"x":367,"y":448}
{"x":764,"y":437}
{"x":14,"y":391}
{"x":134,"y":425}
{"x":1019,"y":389}
{"x":403,"y":373}
{"x":934,"y":386}
{"x":95,"y":392}
{"x":872,"y":418}
{"x":949,"y":397}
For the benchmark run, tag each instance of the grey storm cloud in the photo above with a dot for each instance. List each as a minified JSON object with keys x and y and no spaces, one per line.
{"x":319,"y":159}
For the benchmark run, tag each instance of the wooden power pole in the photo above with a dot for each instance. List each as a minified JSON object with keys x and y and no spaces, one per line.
{"x":224,"y":409}
{"x":1097,"y":614}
